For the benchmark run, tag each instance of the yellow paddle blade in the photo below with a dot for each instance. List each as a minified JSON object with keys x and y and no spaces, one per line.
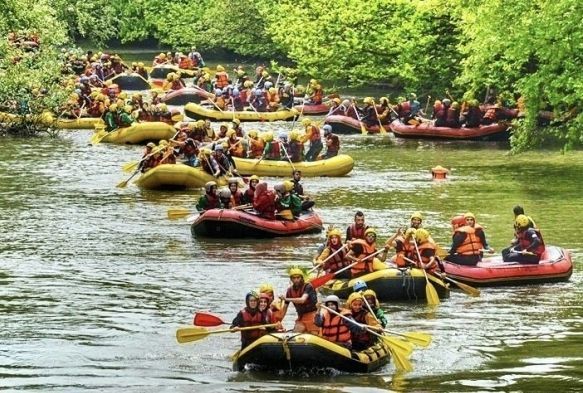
{"x":363,"y":128}
{"x":97,"y":137}
{"x":122,"y":184}
{"x":401,"y":361}
{"x":418,"y":338}
{"x":190,"y":334}
{"x":440,"y":252}
{"x":235,"y":356}
{"x":382,"y":129}
{"x":287,"y":214}
{"x":399,"y":345}
{"x":431,"y":294}
{"x":178,"y":212}
{"x":437,"y":281}
{"x":130,"y":166}
{"x":473,"y":292}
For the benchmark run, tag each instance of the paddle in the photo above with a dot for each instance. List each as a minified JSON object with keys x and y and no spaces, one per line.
{"x":327,"y":259}
{"x":99,"y":134}
{"x":381,"y":128}
{"x":178,"y":212}
{"x":427,"y":105}
{"x":362,"y":127}
{"x":132,"y":165}
{"x":430,"y":292}
{"x":190,"y":334}
{"x":474,"y":292}
{"x":287,"y":155}
{"x":400,"y":357}
{"x":403,"y":345}
{"x":124,"y":183}
{"x":418,"y":338}
{"x":319,"y":281}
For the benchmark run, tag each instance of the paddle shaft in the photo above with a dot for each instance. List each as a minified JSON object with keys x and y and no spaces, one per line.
{"x":328,"y":258}
{"x":381,"y":128}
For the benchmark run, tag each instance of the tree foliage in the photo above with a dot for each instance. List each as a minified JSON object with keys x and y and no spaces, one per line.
{"x":24,"y":73}
{"x":529,"y":49}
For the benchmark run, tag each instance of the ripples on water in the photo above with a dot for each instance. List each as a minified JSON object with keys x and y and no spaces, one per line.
{"x":94,"y":280}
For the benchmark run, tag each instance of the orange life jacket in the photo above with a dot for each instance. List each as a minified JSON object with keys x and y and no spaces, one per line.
{"x":222,"y":79}
{"x":472,"y":244}
{"x":363,"y":266}
{"x":424,"y":246}
{"x":407,"y":250}
{"x":256,"y":147}
{"x":334,"y":328}
{"x":236,"y":149}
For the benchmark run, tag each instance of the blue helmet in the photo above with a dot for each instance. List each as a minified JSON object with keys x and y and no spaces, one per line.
{"x":359,"y":286}
{"x":236,"y":93}
{"x":258,"y":92}
{"x":218,"y":92}
{"x":327,"y":129}
{"x":268,"y":85}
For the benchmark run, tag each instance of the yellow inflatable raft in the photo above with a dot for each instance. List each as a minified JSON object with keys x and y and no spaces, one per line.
{"x":48,"y":119}
{"x":285,"y":351}
{"x":176,"y":176}
{"x":140,"y":132}
{"x":198,"y":112}
{"x":336,"y":166}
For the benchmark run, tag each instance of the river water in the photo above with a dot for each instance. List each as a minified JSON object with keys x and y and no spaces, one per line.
{"x":94,"y":280}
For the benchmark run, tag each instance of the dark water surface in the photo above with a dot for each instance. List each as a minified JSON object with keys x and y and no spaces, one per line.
{"x":94,"y":280}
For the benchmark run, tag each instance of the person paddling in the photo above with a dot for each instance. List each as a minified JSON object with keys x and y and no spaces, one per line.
{"x":304,"y":298}
{"x":251,"y":316}
{"x":334,"y":328}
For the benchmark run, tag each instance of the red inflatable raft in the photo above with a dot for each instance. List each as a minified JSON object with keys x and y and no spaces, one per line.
{"x":227,"y":223}
{"x":348,"y":125}
{"x":185,"y":95}
{"x":496,"y":131}
{"x":554,"y":266}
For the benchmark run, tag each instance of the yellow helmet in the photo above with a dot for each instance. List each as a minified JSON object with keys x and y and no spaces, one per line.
{"x":163,"y":107}
{"x":334,"y":232}
{"x":163,"y":142}
{"x":113,"y":107}
{"x":417,"y":215}
{"x":522,"y":221}
{"x":410,"y":232}
{"x":220,"y":68}
{"x":226,"y":125}
{"x":353,"y":296}
{"x":288,"y":185}
{"x":264,"y":73}
{"x":370,"y":292}
{"x":368,"y":100}
{"x":254,"y":177}
{"x":272,"y":90}
{"x":141,"y":65}
{"x":162,"y":55}
{"x":313,"y":81}
{"x":248,"y":84}
{"x":370,"y":230}
{"x":469,"y":215}
{"x":296,"y":271}
{"x":294,"y":135}
{"x":134,"y":64}
{"x":421,"y":235}
{"x":230,"y":133}
{"x":268,"y":136}
{"x":236,"y":121}
{"x":252,"y":133}
{"x":128,"y":109}
{"x":265,"y":288}
{"x":306,"y":122}
{"x":337,"y":100}
{"x":207,"y":152}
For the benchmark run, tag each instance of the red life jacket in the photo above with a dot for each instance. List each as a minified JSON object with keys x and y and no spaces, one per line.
{"x":249,"y":195}
{"x":301,"y":309}
{"x":472,"y":244}
{"x":176,"y":85}
{"x":424,"y":246}
{"x":251,"y":320}
{"x":357,"y":233}
{"x":314,"y":133}
{"x":236,"y":199}
{"x":524,"y":242}
{"x":363,"y":266}
{"x":337,"y":262}
{"x":334,"y":328}
{"x":213,"y":201}
{"x":274,"y":152}
{"x":363,"y":338}
{"x":256,"y":147}
{"x":222,"y":79}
